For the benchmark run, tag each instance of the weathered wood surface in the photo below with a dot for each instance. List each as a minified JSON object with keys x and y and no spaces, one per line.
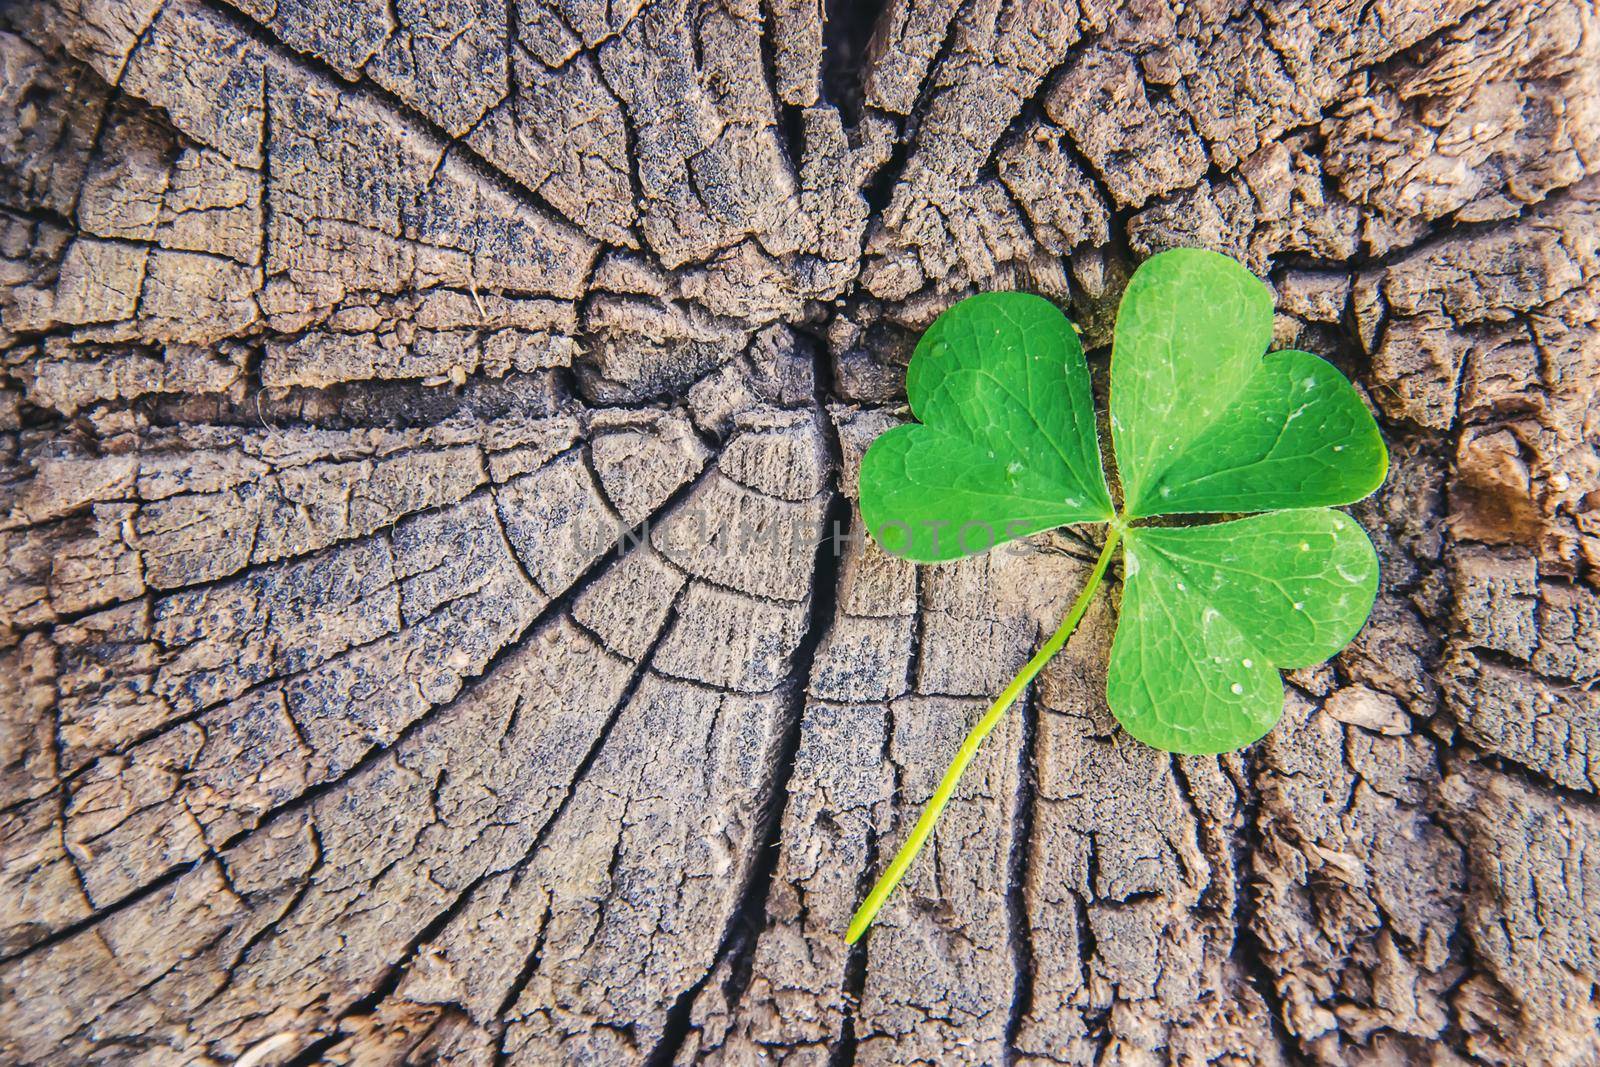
{"x":331,"y":330}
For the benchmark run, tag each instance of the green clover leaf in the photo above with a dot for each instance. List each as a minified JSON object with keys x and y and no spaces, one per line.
{"x":1007,"y":439}
{"x":1202,"y":423}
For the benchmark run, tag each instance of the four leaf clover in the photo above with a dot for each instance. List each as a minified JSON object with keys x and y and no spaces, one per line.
{"x":1201,"y":424}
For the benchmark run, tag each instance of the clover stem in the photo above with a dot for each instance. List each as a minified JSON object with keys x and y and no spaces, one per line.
{"x":969,"y":747}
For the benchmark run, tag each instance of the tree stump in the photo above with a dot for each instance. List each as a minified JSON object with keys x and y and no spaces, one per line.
{"x":425,"y":638}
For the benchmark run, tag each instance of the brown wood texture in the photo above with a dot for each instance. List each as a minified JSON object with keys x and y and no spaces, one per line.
{"x":382,"y":383}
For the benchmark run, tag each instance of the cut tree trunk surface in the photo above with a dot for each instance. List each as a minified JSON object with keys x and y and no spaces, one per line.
{"x":422,"y":639}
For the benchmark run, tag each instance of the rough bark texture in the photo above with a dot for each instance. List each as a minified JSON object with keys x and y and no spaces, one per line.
{"x":332,"y":331}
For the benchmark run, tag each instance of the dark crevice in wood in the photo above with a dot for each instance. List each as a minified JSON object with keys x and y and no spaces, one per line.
{"x":1094,"y":1020}
{"x":530,"y":967}
{"x":1020,"y":927}
{"x":396,"y":972}
{"x":1248,"y":949}
{"x":268,"y":930}
{"x":749,"y":917}
{"x":791,"y":119}
{"x":879,"y":190}
{"x":1445,"y":229}
{"x":1530,"y":777}
{"x":1511,"y":662}
{"x":1213,"y":849}
{"x":630,"y":149}
{"x":847,"y":31}
{"x":397,"y":403}
{"x":843,"y":1053}
{"x":72,"y":929}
